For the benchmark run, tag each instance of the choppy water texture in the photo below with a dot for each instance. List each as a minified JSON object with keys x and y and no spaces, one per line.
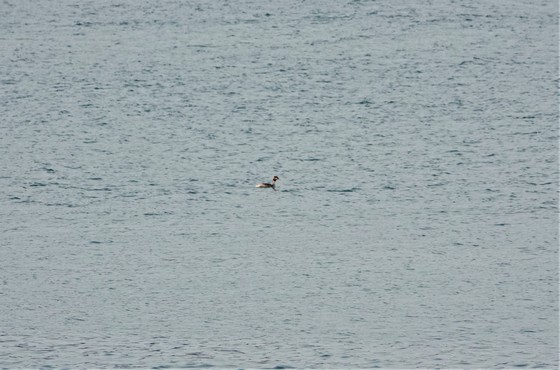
{"x":415,"y":222}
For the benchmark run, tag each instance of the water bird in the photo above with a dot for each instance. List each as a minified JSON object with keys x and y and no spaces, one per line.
{"x":269,"y":185}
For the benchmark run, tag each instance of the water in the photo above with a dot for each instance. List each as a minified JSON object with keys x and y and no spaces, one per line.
{"x":415,"y":222}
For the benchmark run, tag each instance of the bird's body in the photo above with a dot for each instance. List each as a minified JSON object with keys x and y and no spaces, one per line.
{"x":269,"y":185}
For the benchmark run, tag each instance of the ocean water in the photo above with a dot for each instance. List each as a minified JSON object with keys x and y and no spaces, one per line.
{"x":415,"y":222}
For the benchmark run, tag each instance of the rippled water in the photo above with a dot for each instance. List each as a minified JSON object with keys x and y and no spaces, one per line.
{"x":415,"y":222}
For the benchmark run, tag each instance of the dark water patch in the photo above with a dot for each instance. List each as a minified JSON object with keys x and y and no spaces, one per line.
{"x":67,"y":205}
{"x":471,"y":141}
{"x":130,"y":195}
{"x":197,"y":366}
{"x":290,"y":191}
{"x":527,"y":133}
{"x":84,"y":23}
{"x":350,"y":190}
{"x":157,"y":214}
{"x":540,"y":366}
{"x":28,"y":200}
{"x":471,"y":61}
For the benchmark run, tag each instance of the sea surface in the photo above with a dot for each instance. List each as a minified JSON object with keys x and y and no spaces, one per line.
{"x":415,"y":222}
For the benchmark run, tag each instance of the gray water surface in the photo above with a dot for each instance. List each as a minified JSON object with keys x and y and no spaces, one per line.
{"x":416,"y":218}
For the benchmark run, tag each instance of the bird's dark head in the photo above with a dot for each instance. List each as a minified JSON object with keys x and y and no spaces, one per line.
{"x":275,"y":178}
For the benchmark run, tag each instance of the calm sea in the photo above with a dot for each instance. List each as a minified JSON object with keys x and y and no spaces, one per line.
{"x":415,"y":222}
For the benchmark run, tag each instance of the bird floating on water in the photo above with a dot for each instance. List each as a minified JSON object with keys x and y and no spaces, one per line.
{"x":269,"y":185}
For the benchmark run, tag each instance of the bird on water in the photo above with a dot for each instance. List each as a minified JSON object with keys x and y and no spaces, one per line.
{"x":269,"y":185}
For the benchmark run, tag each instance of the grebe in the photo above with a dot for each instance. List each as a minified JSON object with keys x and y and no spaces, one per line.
{"x":267,"y":185}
